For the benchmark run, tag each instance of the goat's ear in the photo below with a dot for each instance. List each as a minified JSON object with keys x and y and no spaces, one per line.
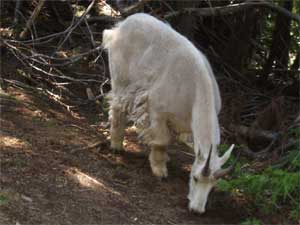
{"x":226,"y":155}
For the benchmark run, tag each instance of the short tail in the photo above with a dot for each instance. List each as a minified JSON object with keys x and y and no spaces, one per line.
{"x":108,"y":37}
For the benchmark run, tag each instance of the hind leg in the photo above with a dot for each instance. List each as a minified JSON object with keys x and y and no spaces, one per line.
{"x":117,"y":127}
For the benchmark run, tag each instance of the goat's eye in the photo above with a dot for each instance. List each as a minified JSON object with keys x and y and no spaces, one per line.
{"x":195,"y":179}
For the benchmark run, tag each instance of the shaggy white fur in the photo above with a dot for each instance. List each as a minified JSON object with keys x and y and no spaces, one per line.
{"x":163,"y":83}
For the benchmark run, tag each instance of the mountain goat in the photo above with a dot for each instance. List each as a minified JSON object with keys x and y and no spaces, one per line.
{"x":163,"y":83}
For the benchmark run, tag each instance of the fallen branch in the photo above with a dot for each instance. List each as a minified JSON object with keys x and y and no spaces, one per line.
{"x":257,"y":134}
{"x":43,"y":61}
{"x":96,"y":145}
{"x":233,"y":8}
{"x":285,"y":147}
{"x":262,"y":154}
{"x":103,"y":19}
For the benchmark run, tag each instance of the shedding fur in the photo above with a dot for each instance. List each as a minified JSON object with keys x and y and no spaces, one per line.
{"x":107,"y":38}
{"x":162,"y":83}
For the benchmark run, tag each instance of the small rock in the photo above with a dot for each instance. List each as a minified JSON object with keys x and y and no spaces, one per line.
{"x":26,"y":198}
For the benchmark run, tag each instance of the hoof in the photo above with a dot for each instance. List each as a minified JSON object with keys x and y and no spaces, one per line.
{"x":116,"y":151}
{"x":164,"y":179}
{"x":196,"y":212}
{"x":160,"y":172}
{"x":116,"y":147}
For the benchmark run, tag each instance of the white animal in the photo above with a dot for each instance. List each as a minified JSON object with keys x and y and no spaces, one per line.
{"x":163,"y":83}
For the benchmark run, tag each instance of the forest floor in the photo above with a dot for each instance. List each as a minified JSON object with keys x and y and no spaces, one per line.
{"x":56,"y":166}
{"x":48,"y":177}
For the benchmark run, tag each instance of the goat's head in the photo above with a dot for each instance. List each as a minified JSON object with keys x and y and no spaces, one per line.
{"x":205,"y":172}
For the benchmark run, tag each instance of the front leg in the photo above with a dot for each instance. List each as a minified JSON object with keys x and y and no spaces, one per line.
{"x":158,"y":161}
{"x":117,"y":127}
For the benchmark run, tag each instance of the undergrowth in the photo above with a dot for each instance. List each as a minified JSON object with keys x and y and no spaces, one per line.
{"x":251,"y":221}
{"x":3,"y":199}
{"x":277,"y":187}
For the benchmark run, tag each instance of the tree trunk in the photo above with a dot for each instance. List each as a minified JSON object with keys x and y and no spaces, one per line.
{"x":295,"y":65}
{"x":186,"y":23}
{"x":239,"y":51}
{"x":279,"y":51}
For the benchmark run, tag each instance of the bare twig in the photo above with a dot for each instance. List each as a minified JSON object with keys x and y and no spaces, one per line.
{"x":104,"y":19}
{"x":233,"y":8}
{"x":291,"y":143}
{"x":134,"y":8}
{"x":17,"y":9}
{"x":71,"y":29}
{"x":95,"y":145}
{"x":33,"y":16}
{"x":90,"y":33}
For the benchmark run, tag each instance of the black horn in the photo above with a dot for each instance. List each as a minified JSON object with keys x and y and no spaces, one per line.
{"x":206,"y":169}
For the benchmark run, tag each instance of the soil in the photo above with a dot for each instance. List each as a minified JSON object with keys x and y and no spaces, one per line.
{"x":48,"y":176}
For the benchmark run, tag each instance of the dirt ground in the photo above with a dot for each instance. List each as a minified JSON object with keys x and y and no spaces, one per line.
{"x":49,"y":177}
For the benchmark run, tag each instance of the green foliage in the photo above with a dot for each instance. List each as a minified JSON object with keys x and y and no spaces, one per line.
{"x":223,"y":148}
{"x":105,"y":106}
{"x":251,"y":221}
{"x":3,"y":199}
{"x":291,"y":162}
{"x":294,"y":157}
{"x":295,"y":213}
{"x":294,"y":132}
{"x":268,"y":190}
{"x":276,"y":186}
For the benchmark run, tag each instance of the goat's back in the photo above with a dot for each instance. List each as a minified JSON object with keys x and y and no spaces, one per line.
{"x":142,"y":30}
{"x":144,"y":48}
